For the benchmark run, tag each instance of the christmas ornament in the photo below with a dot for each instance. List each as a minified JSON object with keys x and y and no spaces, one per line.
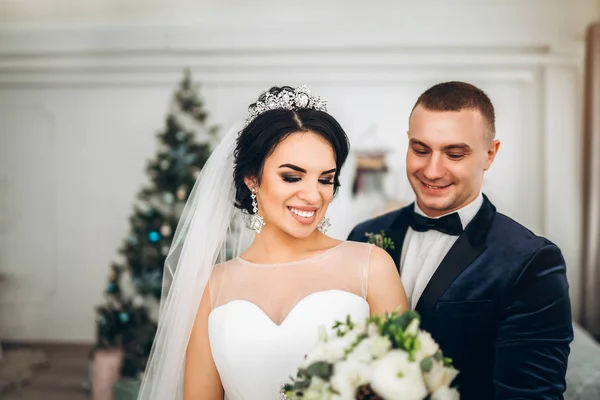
{"x":181,"y":193}
{"x":168,"y":198}
{"x":165,"y":230}
{"x":138,"y":301}
{"x":124,"y":317}
{"x":154,"y":236}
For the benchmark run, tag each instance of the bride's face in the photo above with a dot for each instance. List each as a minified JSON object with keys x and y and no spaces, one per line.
{"x":297,"y":184}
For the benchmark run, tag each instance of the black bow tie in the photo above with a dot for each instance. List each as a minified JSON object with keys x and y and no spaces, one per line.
{"x":449,"y":224}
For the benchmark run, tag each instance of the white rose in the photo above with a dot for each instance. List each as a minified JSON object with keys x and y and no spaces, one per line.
{"x":439,"y":376}
{"x":445,"y":393}
{"x":427,"y":346}
{"x":348,"y":376}
{"x":318,"y":390}
{"x":396,"y":378}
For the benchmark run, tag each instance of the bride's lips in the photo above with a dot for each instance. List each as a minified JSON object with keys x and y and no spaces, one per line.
{"x":434,"y":189}
{"x":304,"y":215}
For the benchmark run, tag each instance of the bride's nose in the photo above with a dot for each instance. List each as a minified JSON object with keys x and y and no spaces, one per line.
{"x":309,"y":192}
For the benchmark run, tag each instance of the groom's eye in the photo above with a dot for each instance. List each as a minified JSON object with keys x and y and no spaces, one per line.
{"x":419,"y":152}
{"x":455,"y":156}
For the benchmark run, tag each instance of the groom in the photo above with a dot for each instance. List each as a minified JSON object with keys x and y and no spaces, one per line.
{"x":492,"y":294}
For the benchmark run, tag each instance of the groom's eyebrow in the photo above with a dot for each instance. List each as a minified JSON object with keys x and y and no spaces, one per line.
{"x":418,"y":143}
{"x":458,"y":146}
{"x":454,"y":146}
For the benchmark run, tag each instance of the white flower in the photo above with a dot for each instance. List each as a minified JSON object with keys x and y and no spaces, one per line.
{"x":439,"y":376}
{"x":333,"y":350}
{"x":372,"y":330}
{"x":371,"y":348}
{"x":360,"y":327}
{"x":362,"y":352}
{"x":380,"y":346}
{"x":318,"y":390}
{"x":396,"y":378}
{"x":348,"y":376}
{"x":413,"y":327}
{"x":323,"y":352}
{"x":427,"y":346}
{"x":323,"y":337}
{"x":445,"y":393}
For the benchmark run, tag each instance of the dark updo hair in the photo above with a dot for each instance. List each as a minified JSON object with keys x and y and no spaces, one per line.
{"x":258,"y":140}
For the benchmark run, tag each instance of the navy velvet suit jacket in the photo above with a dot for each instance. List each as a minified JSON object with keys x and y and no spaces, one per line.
{"x":498,"y":305}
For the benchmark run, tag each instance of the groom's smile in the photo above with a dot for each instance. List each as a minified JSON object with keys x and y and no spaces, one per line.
{"x":435,"y":187}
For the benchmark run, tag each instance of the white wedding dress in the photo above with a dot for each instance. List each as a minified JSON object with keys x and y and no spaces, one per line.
{"x":265,"y":317}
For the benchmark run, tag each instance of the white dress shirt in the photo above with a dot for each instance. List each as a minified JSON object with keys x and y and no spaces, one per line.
{"x":422,"y":252}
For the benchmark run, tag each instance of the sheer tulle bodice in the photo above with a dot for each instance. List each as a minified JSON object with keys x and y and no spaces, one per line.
{"x":265,"y":317}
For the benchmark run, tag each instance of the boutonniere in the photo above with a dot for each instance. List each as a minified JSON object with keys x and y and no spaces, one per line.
{"x":380,"y":240}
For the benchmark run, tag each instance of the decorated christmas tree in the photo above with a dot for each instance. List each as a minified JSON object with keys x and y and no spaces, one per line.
{"x":134,"y":284}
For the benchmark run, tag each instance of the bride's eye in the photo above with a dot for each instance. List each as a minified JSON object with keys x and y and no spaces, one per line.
{"x":290,"y":178}
{"x":326,"y":181}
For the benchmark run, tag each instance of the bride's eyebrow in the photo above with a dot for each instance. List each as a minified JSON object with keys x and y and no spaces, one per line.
{"x":300,"y":169}
{"x":294,"y":167}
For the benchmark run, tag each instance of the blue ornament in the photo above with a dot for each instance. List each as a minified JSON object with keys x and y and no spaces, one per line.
{"x":111,"y":288}
{"x":124,"y":317}
{"x":154,"y":236}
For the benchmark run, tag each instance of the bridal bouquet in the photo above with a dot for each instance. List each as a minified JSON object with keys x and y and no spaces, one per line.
{"x":383,"y":358}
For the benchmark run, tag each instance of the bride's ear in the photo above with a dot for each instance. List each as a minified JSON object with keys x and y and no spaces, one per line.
{"x":250,"y":183}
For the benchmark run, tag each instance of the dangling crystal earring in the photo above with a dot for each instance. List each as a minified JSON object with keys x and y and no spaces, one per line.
{"x":255,"y":221}
{"x":324,"y":224}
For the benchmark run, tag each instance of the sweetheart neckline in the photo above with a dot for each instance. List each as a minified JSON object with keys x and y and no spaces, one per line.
{"x":292,"y":309}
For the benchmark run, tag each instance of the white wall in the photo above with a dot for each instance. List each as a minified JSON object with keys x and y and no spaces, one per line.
{"x":84,"y":87}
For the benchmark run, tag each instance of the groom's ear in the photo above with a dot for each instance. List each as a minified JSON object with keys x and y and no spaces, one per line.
{"x":491,"y":154}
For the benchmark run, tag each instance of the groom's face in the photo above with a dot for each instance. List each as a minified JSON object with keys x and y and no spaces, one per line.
{"x":447,"y":156}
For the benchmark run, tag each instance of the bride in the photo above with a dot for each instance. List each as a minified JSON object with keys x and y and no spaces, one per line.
{"x":235,"y":320}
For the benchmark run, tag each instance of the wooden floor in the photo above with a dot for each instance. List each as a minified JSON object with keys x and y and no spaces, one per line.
{"x":62,"y":379}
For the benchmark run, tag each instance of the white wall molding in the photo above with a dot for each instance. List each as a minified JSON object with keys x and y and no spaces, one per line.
{"x":392,"y":64}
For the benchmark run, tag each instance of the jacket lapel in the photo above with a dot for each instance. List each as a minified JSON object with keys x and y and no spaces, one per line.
{"x":397,"y":232}
{"x":464,"y":251}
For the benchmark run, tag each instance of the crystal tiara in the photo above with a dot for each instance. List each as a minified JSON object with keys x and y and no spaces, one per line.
{"x":286,"y":99}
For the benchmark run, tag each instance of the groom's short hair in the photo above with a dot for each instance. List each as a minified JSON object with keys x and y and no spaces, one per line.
{"x":457,"y":96}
